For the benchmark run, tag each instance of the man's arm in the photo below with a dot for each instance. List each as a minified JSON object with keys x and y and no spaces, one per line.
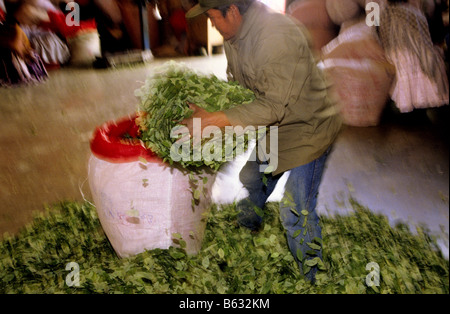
{"x":217,"y":118}
{"x":278,"y":80}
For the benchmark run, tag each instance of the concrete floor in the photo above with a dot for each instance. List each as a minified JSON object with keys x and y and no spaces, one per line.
{"x":400,"y":168}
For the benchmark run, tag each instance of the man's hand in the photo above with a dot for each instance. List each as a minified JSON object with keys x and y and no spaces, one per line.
{"x":189,"y":122}
{"x":218,"y":118}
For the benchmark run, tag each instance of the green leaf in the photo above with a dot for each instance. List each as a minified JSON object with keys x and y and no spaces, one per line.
{"x":205,"y":262}
{"x":299,"y":255}
{"x":197,"y":194}
{"x":177,"y":236}
{"x":297,"y":233}
{"x":314,"y":246}
{"x":176,"y":254}
{"x":264,"y":179}
{"x":142,"y":160}
{"x":321,"y":265}
{"x":317,"y":240}
{"x":258,"y":211}
{"x":312,"y":262}
{"x":269,"y":169}
{"x":181,"y":274}
{"x":221,"y":253}
{"x":306,"y":269}
{"x":304,"y":212}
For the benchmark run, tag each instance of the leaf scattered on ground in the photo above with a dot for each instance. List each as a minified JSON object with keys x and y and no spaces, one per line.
{"x":232,"y":259}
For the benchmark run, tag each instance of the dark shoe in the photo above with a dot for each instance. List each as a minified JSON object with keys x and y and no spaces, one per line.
{"x":248,"y":215}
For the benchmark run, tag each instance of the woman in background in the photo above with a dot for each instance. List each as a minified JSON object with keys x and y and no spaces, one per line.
{"x":421,"y":80}
{"x":49,"y":44}
{"x":19,"y":63}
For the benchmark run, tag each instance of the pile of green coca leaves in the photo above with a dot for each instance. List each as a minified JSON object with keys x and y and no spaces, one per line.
{"x":232,"y":259}
{"x":164,"y":102}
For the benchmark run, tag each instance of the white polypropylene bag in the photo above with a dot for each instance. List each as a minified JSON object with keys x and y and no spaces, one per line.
{"x":84,"y":48}
{"x":146,"y":204}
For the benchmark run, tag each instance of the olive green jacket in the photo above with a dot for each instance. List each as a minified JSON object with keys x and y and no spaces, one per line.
{"x":271,"y":56}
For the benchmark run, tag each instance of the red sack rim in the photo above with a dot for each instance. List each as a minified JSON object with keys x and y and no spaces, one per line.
{"x":108,"y":142}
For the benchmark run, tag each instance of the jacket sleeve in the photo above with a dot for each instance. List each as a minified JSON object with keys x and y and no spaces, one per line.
{"x":280,"y":68}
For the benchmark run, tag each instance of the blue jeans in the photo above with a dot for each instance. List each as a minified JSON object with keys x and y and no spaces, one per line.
{"x":301,"y":190}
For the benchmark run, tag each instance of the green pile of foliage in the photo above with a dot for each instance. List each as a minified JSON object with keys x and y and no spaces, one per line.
{"x":232,"y":259}
{"x":164,"y":102}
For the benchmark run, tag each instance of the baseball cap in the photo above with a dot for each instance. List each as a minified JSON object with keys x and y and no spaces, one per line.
{"x":205,"y":5}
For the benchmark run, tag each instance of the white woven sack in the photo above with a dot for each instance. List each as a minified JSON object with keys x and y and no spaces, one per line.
{"x":84,"y":48}
{"x":142,"y":205}
{"x":356,"y":65}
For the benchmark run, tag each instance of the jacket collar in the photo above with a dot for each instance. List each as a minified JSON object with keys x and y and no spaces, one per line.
{"x":248,"y":20}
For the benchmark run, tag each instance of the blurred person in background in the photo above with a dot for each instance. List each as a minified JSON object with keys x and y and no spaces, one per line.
{"x":90,"y":27}
{"x":50,"y":45}
{"x":19,"y":63}
{"x":421,"y":80}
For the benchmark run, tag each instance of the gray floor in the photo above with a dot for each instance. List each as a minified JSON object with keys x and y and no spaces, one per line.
{"x":400,"y":168}
{"x":397,"y":170}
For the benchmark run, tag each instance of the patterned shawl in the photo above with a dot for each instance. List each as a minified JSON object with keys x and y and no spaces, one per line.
{"x":403,"y":26}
